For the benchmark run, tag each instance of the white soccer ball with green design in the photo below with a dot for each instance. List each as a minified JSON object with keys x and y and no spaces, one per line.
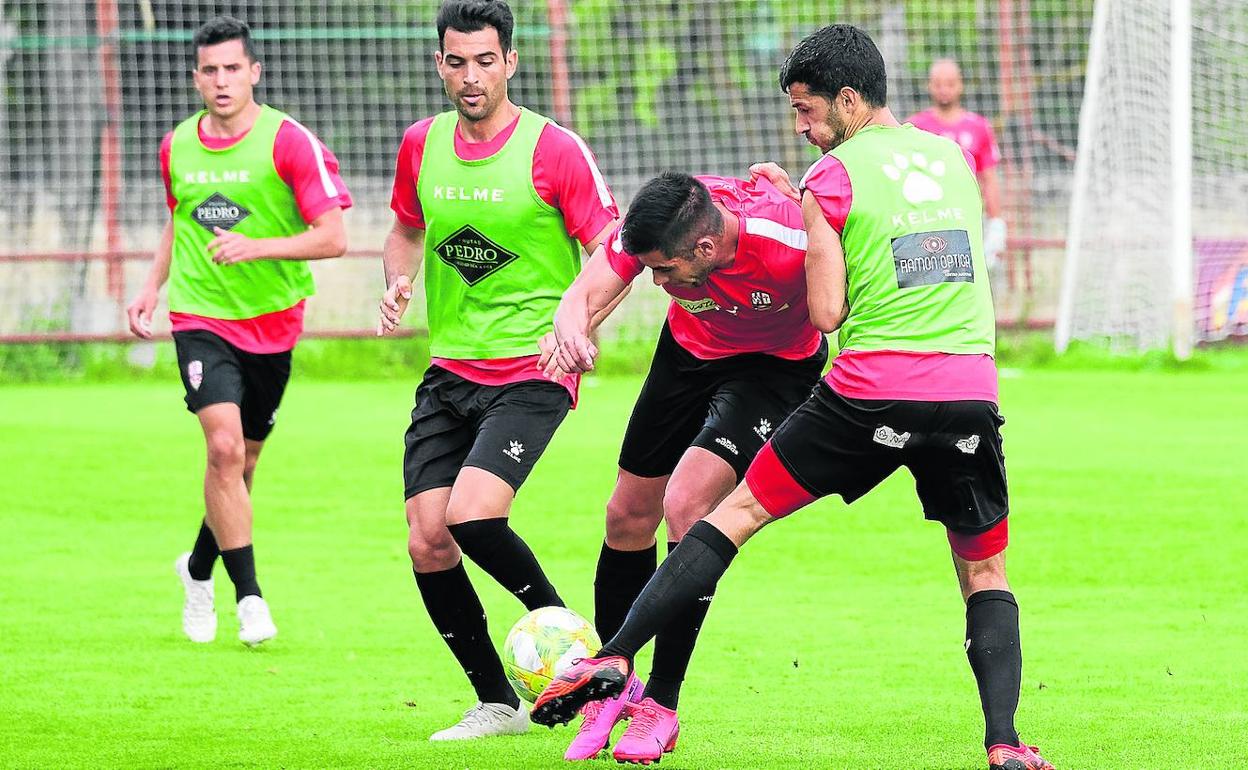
{"x":542,"y":645}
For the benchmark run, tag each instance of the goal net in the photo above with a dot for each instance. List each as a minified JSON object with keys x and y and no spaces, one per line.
{"x":1157,"y":250}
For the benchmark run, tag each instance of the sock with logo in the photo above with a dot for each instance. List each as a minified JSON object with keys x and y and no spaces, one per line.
{"x":240,"y":564}
{"x":617,"y":583}
{"x":689,"y":572}
{"x":495,"y":547}
{"x":204,"y":554}
{"x":673,"y":648}
{"x":456,"y":612}
{"x":992,"y":647}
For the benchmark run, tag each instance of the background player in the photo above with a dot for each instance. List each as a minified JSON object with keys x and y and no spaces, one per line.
{"x":252,"y":194}
{"x":973,"y":133}
{"x":737,"y":354}
{"x":494,"y":199}
{"x":895,"y":261}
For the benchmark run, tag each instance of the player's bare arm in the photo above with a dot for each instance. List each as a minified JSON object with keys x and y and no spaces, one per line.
{"x":591,"y":297}
{"x":400,"y":258}
{"x":140,"y":310}
{"x":825,"y":269}
{"x":325,"y":238}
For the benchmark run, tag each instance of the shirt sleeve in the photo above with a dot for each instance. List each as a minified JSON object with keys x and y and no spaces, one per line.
{"x":625,"y":265}
{"x":404,"y":200}
{"x":309,"y":169}
{"x":987,"y":155}
{"x":166,"y":148}
{"x":828,"y":180}
{"x":566,"y":175}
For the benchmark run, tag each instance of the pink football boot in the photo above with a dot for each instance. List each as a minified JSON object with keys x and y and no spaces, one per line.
{"x":651,"y":733}
{"x":1021,"y":757}
{"x":599,"y":717}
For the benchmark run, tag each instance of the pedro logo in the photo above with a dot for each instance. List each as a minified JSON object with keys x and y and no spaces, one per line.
{"x":472,"y":255}
{"x":219,"y":211}
{"x":195,"y":374}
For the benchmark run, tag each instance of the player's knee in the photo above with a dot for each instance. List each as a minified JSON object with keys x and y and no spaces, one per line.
{"x":628,"y":523}
{"x":226,"y":452}
{"x":431,"y":551}
{"x":682,"y":508}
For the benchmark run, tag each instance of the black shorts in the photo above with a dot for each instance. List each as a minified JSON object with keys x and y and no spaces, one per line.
{"x":728,"y":406}
{"x":846,"y":446}
{"x":499,"y":428}
{"x":215,"y":372}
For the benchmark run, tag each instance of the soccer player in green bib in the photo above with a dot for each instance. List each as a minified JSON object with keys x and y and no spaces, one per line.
{"x":253,"y":196}
{"x":895,"y":262}
{"x":497,"y":202}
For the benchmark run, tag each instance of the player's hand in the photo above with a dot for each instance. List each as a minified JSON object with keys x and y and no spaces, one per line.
{"x":394,"y":304}
{"x":778,"y":177}
{"x":575,"y":352}
{"x":140,"y":311}
{"x":231,"y":248}
{"x":548,"y":361}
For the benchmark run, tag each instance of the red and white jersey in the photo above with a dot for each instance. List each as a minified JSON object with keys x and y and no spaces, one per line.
{"x":972,"y":132}
{"x":758,"y":303}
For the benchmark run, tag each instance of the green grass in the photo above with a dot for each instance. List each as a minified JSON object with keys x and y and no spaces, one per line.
{"x":835,"y":640}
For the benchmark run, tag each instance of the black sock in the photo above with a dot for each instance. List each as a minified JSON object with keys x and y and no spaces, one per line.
{"x":673,"y":648}
{"x":204,"y":554}
{"x":997,"y":659}
{"x":495,"y":547}
{"x":687,"y":574}
{"x":617,"y":583}
{"x":458,"y":616}
{"x":240,"y":563}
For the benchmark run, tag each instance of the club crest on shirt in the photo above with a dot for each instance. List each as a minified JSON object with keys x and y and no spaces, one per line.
{"x":760,"y":300}
{"x":195,"y":374}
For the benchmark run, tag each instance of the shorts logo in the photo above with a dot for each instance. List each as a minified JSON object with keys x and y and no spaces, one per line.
{"x":195,"y":374}
{"x":514,"y":451}
{"x":890,"y":438}
{"x":219,"y":211}
{"x":760,"y":300}
{"x":969,"y":444}
{"x":273,"y":417}
{"x":763,"y":428}
{"x":726,"y":444}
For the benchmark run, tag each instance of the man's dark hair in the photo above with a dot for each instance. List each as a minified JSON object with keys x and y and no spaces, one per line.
{"x":223,"y":29}
{"x":837,"y":56}
{"x":669,"y":214}
{"x":476,"y":15}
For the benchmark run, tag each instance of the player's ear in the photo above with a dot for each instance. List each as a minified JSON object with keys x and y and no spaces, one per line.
{"x":255,"y":72}
{"x":513,"y":60}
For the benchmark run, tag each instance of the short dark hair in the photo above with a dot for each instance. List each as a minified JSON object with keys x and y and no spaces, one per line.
{"x":669,"y":214}
{"x":834,"y":57}
{"x":223,"y":29}
{"x":476,"y":15}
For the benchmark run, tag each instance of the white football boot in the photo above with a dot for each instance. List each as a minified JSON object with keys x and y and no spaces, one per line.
{"x":199,"y":618}
{"x":484,"y":720}
{"x":255,"y":624}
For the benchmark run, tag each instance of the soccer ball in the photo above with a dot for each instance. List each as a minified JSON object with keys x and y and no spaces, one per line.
{"x":542,"y":645}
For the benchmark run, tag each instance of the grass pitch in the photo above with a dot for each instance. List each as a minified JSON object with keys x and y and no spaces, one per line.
{"x":835,"y":640}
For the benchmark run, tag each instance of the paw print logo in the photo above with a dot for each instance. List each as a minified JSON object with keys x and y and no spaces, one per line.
{"x":514,"y":451}
{"x":917,"y":177}
{"x":763,"y":428}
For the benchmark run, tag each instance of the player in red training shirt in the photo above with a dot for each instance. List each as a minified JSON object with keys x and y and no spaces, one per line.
{"x":497,"y":204}
{"x":737,"y":354}
{"x":253,"y":195}
{"x":973,"y":132}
